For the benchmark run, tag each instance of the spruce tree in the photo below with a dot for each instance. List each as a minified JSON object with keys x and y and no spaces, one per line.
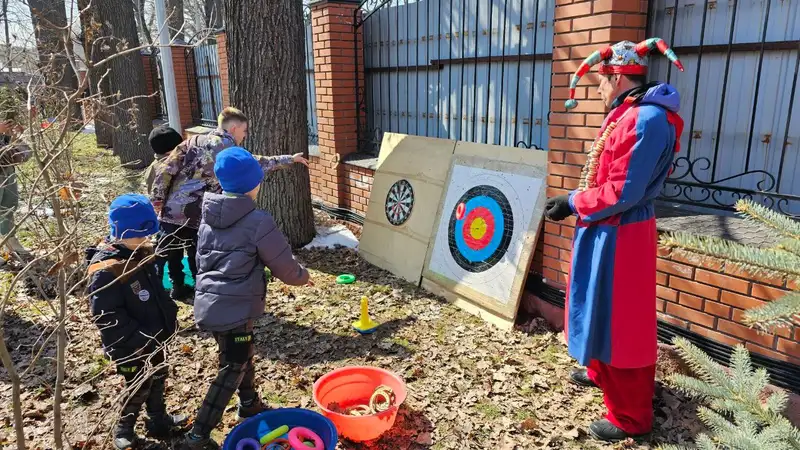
{"x":739,"y":415}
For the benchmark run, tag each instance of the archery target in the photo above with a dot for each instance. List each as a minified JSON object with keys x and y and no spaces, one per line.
{"x":485,"y":216}
{"x":399,"y":202}
{"x":480,"y":228}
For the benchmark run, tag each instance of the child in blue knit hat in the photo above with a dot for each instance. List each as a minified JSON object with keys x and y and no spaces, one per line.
{"x":135,"y":315}
{"x":236,"y":241}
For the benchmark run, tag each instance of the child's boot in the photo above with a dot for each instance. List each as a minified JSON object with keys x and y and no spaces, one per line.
{"x":159,"y":424}
{"x":125,"y":437}
{"x":249,"y":408}
{"x":195,"y":442}
{"x":166,"y":425}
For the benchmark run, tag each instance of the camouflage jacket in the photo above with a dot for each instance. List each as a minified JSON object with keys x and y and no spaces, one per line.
{"x":188,"y":173}
{"x":156,"y":167}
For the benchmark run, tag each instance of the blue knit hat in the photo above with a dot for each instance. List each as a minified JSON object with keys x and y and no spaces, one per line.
{"x":238,"y":171}
{"x":132,"y":216}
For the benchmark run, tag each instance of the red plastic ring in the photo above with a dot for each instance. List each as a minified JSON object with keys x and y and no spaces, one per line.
{"x":299,"y":434}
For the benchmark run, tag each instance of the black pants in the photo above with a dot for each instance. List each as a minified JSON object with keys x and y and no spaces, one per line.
{"x":172,"y":242}
{"x":143,"y":389}
{"x":236,"y":372}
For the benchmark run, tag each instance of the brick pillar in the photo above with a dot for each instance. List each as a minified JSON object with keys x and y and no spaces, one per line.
{"x":222,"y":52}
{"x":183,"y":67}
{"x":335,"y":82}
{"x":580,"y":28}
{"x":150,"y":83}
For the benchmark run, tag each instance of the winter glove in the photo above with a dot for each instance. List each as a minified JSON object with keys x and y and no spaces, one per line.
{"x":557,"y":208}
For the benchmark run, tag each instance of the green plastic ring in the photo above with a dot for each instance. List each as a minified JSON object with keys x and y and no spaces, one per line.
{"x":345,"y":279}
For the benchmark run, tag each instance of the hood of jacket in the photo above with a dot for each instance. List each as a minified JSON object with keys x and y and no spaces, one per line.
{"x":224,"y":210}
{"x":106,"y":251}
{"x":656,"y":93}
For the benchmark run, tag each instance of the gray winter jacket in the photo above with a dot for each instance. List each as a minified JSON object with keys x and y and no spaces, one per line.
{"x":235,"y":242}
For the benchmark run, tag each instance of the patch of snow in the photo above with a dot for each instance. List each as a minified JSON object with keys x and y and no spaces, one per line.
{"x":332,"y":237}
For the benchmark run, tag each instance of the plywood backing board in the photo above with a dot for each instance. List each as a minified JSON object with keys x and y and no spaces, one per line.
{"x":423,"y":163}
{"x":480,"y":252}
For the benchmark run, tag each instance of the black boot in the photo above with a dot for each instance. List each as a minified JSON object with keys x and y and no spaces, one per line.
{"x":166,"y":426}
{"x":581,"y":378}
{"x":194,"y":442}
{"x":604,"y":430}
{"x":181,"y":292}
{"x":125,"y":437}
{"x":251,"y":408}
{"x":159,"y":424}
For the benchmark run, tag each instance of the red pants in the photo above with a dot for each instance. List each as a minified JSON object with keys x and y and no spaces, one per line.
{"x":628,"y":395}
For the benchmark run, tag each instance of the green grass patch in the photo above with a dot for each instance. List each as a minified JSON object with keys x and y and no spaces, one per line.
{"x":488,"y":409}
{"x":274,"y":398}
{"x":97,"y":365}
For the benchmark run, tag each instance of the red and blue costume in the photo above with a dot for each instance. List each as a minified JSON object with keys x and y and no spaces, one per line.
{"x":611,"y":296}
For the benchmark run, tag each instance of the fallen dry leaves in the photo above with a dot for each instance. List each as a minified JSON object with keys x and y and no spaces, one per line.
{"x":471,"y":386}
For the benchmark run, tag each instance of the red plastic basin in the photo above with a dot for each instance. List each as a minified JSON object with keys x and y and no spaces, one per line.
{"x":354,"y":385}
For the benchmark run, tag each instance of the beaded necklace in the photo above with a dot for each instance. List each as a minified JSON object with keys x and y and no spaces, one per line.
{"x":589,"y":171}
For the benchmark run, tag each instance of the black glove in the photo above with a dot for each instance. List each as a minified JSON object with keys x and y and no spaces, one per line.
{"x":557,"y":208}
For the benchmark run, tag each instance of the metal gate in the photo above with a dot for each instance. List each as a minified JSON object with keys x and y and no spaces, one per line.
{"x":740,"y":100}
{"x":471,"y":70}
{"x":209,"y":84}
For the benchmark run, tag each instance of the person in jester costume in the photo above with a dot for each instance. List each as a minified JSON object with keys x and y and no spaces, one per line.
{"x":611,"y":296}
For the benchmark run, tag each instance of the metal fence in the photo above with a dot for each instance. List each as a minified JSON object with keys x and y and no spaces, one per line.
{"x":209,"y":84}
{"x":740,"y":100}
{"x":473,"y":70}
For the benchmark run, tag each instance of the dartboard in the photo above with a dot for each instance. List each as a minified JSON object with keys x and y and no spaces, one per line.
{"x":480,"y":229}
{"x":399,"y":202}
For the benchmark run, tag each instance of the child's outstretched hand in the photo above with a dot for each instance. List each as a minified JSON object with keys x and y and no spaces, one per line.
{"x":300,"y":158}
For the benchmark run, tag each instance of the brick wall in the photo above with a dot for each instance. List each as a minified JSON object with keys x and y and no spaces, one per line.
{"x":184,"y":77}
{"x":222,"y":52}
{"x":709,"y":298}
{"x":349,"y":188}
{"x":152,"y":87}
{"x":185,"y":83}
{"x":334,"y":181}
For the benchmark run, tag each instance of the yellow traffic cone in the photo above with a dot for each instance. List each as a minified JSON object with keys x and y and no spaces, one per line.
{"x":365,"y":325}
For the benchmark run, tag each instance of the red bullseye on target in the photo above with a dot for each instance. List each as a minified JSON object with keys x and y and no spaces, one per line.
{"x":478,"y":228}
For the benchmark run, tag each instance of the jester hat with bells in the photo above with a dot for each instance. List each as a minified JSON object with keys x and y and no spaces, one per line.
{"x":622,"y":58}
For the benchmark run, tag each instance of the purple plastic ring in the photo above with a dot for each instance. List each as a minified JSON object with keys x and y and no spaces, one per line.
{"x":248,"y":444}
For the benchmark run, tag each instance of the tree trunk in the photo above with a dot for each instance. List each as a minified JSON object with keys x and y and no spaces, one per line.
{"x":131,"y":111}
{"x":90,"y":30}
{"x":175,"y":14}
{"x":267,"y":80}
{"x":214,"y":14}
{"x":49,"y":18}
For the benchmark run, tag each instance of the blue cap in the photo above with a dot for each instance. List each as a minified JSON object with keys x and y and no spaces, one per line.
{"x":132,"y":216}
{"x":238,"y":171}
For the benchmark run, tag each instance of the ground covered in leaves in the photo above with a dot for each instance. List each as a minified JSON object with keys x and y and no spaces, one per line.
{"x":471,"y":386}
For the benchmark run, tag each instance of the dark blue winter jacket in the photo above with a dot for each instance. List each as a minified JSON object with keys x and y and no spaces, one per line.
{"x":234,"y":244}
{"x":129,"y":303}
